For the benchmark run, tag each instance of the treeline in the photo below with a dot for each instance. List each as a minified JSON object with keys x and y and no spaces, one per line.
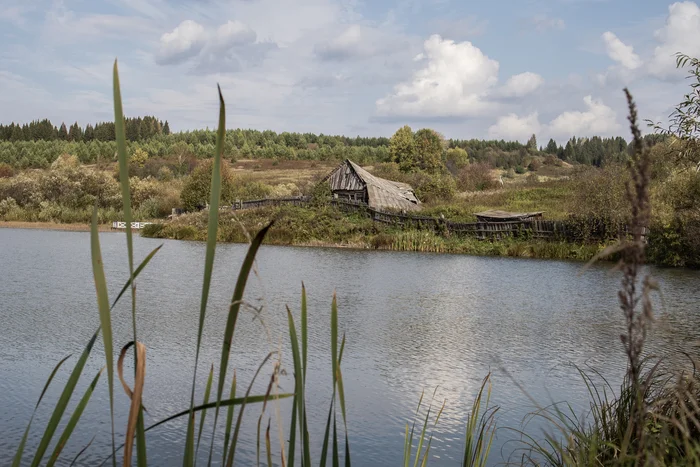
{"x":137,"y":129}
{"x":39,"y":143}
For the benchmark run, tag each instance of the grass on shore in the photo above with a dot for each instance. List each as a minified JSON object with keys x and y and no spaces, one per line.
{"x":329,"y":226}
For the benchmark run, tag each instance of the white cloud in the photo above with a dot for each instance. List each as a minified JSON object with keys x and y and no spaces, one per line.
{"x":521,"y":84}
{"x":598,"y":119}
{"x":229,"y":48}
{"x":511,"y":127}
{"x":621,"y":52}
{"x":680,"y":34}
{"x":455,"y":81}
{"x":348,"y":44}
{"x":359,"y":41}
{"x":185,"y":41}
{"x":233,"y":33}
{"x":544,"y":23}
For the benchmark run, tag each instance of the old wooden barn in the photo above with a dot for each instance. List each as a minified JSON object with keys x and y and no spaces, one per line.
{"x":352,"y":182}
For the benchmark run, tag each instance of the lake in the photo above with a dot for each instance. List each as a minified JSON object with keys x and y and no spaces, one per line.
{"x":413,"y":322}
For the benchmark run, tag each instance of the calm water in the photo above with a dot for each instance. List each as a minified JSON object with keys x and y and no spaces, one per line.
{"x":412,"y":321}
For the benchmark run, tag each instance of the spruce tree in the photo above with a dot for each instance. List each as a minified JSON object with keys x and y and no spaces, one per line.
{"x":63,"y":132}
{"x":166,"y":128}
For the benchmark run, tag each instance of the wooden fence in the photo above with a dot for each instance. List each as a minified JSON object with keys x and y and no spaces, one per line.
{"x":535,"y":228}
{"x":134,"y":225}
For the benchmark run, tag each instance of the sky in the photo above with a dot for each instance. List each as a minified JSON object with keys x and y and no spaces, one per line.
{"x":492,"y":69}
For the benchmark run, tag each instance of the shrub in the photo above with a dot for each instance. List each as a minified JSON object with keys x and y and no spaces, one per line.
{"x":520,"y":169}
{"x":433,"y":187}
{"x":456,"y":159}
{"x":552,"y":160}
{"x":476,"y":177}
{"x":164,"y":174}
{"x":195,"y":193}
{"x":65,"y":161}
{"x":6,"y":171}
{"x":534,"y":165}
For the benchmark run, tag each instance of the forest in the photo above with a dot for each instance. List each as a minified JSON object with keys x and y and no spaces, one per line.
{"x":39,"y":143}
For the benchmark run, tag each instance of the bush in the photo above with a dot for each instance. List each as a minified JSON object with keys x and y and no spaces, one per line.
{"x":534,"y":165}
{"x":520,"y":169}
{"x":456,"y":159}
{"x":6,"y":171}
{"x":65,"y":161}
{"x":195,"y":193}
{"x":476,"y":177}
{"x":433,"y":187}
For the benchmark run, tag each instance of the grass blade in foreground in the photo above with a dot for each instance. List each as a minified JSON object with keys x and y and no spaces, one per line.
{"x":104,"y":311}
{"x":136,"y":407}
{"x":120,"y":136}
{"x":235,"y":306}
{"x":73,"y":420}
{"x":17,"y":460}
{"x":63,"y":402}
{"x":202,"y":417}
{"x":208,"y":268}
{"x":229,"y":420}
{"x":298,"y":389}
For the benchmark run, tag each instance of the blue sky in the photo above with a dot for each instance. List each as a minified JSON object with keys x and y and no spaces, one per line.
{"x":487,"y":69}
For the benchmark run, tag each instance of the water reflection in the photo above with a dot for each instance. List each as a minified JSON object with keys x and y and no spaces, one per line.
{"x":413,"y":322}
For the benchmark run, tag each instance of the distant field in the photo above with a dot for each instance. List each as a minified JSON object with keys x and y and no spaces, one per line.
{"x":276,"y":172}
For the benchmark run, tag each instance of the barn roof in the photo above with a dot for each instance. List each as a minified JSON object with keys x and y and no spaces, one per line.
{"x":382,"y":194}
{"x":504,"y":216}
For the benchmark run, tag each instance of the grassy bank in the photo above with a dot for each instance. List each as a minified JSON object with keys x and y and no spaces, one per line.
{"x":329,"y":226}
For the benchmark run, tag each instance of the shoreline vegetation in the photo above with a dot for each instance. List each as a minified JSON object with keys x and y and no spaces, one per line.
{"x":653,"y":418}
{"x":326,"y":226}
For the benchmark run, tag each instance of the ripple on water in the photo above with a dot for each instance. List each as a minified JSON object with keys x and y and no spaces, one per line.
{"x":413,"y":323}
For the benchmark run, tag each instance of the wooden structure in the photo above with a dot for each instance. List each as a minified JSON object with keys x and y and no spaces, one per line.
{"x":351,"y":182}
{"x":134,"y":225}
{"x":504,"y":216}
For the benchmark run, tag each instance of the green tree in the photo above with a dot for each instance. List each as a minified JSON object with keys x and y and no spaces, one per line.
{"x":456,"y":159}
{"x":195,"y":193}
{"x":428,"y":150}
{"x":551,"y":147}
{"x":402,"y":147}
{"x":532,"y":143}
{"x":166,"y":128}
{"x":89,"y":133}
{"x":684,"y":125}
{"x":75,"y":133}
{"x":63,"y":132}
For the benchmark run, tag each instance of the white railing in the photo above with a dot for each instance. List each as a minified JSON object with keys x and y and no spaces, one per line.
{"x":134,"y":225}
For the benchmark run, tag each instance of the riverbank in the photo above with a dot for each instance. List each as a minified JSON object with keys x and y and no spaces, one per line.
{"x":326,"y":226}
{"x":52,"y":226}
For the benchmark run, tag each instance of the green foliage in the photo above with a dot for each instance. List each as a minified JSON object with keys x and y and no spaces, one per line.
{"x":532,"y":144}
{"x":195,"y":192}
{"x":402,"y":148}
{"x":520,"y":170}
{"x":428,"y":150}
{"x":684,"y":125}
{"x":455,"y":160}
{"x":433,"y":187}
{"x":138,"y":158}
